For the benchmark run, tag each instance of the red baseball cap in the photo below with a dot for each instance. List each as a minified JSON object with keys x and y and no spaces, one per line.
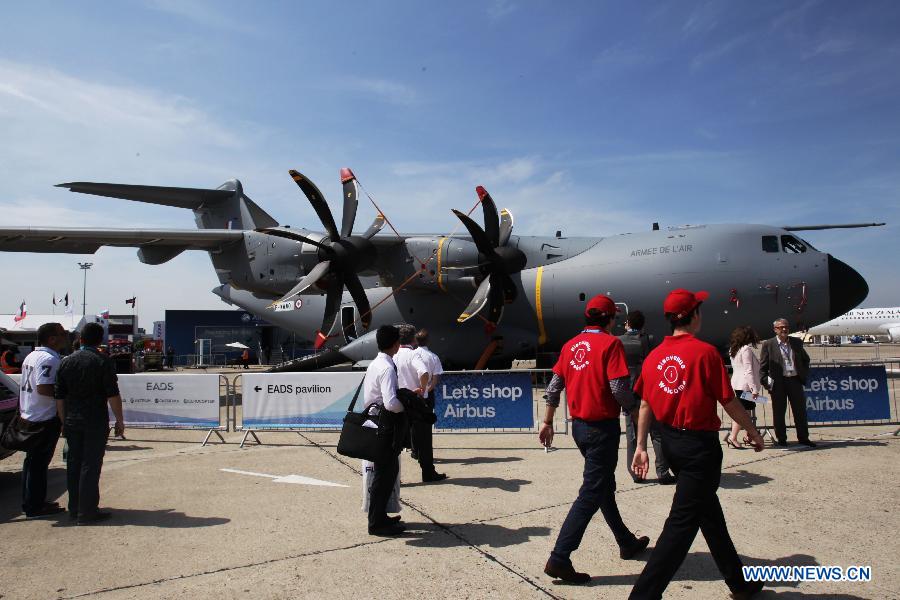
{"x":680,"y":302}
{"x":601,"y":305}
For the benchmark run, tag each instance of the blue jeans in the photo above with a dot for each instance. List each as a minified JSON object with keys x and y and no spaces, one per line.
{"x":34,"y":469}
{"x":598,"y":442}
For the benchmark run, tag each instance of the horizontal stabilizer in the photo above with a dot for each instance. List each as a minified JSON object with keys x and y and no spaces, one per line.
{"x":838,"y":226}
{"x":192,"y":198}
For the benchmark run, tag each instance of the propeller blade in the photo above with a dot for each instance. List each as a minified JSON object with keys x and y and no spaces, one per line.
{"x":355,"y":287}
{"x":478,"y":235}
{"x":317,"y":200}
{"x":491,"y":223}
{"x":506,"y":226}
{"x":496,"y":298}
{"x":348,"y":179}
{"x":290,"y":235}
{"x":375,"y":227}
{"x":317,"y":272}
{"x":478,"y":301}
{"x":332,"y":304}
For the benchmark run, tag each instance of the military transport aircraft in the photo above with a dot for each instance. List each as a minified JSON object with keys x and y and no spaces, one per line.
{"x":487,"y":297}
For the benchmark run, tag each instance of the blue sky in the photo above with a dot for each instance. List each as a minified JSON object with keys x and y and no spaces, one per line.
{"x":594,"y":118}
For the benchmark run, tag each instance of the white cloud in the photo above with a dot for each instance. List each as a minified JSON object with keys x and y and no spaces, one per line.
{"x":113,"y":109}
{"x":203,"y":13}
{"x":384,"y":90}
{"x":497,"y":9}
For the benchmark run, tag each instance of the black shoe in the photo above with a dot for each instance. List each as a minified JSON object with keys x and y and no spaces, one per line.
{"x":45,"y":511}
{"x":414,"y":455}
{"x":749,"y":591}
{"x":668,"y":479}
{"x":96,"y":517}
{"x":433,"y":477}
{"x":634,"y":548}
{"x":387,"y":530}
{"x":638,"y":480}
{"x":781,"y":443}
{"x":565,"y":572}
{"x":395,"y":519}
{"x":809,"y":443}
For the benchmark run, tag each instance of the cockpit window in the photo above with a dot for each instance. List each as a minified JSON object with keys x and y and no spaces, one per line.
{"x":792,"y":245}
{"x":770,"y":243}
{"x":810,"y":246}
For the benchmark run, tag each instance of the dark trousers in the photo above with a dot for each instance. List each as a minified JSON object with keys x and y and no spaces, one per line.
{"x":386,"y":472}
{"x":696,"y":459}
{"x":790,"y":389}
{"x":662,"y":465}
{"x":422,"y":441}
{"x":85,"y":460}
{"x":34,"y":469}
{"x":598,"y":442}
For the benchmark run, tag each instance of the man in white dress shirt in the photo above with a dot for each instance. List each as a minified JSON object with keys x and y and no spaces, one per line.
{"x":380,"y":389}
{"x":422,"y":434}
{"x":37,"y":405}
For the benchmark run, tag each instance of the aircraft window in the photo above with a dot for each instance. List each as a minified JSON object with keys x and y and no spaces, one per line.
{"x":770,"y":243}
{"x":792,"y":245}
{"x":808,"y":245}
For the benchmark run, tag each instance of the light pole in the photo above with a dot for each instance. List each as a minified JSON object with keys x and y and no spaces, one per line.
{"x":84,"y":267}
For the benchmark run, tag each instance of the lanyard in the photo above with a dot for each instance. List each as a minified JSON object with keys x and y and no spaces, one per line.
{"x":600,"y":331}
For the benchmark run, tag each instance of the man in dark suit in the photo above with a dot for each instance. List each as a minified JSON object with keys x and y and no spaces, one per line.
{"x":784,"y":360}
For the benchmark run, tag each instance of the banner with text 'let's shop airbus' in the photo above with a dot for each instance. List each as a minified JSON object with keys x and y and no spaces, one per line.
{"x":847,"y":394}
{"x":484,"y":400}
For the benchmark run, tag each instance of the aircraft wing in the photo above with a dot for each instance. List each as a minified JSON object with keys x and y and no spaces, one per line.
{"x":157,"y":245}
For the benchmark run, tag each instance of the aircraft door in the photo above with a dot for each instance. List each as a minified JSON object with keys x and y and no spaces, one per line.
{"x":348,"y":323}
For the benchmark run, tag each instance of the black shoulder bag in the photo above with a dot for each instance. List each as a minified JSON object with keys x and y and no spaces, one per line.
{"x":366,"y":443}
{"x":22,"y":434}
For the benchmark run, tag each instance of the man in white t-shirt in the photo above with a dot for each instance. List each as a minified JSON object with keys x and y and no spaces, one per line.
{"x":37,"y":405}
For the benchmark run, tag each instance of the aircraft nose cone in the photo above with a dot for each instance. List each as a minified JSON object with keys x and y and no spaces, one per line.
{"x":846,"y":288}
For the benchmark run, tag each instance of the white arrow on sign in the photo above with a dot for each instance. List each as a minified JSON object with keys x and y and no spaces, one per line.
{"x":299,"y":479}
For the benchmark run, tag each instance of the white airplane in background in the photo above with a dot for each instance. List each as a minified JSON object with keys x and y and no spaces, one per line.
{"x":863,"y":321}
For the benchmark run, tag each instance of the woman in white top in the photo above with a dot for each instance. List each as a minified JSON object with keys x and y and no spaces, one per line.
{"x":745,"y":373}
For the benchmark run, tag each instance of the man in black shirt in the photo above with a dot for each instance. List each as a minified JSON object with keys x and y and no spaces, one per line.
{"x":85,"y":383}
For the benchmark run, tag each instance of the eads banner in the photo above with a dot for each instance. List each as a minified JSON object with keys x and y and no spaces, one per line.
{"x":484,"y":400}
{"x":297,"y":400}
{"x":184,"y":401}
{"x":847,"y":394}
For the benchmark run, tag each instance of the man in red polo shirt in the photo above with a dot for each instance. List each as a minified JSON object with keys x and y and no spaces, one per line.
{"x":593,"y":371}
{"x":682,"y":381}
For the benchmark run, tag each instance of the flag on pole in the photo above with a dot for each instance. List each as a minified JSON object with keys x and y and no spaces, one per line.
{"x":132,"y":301}
{"x":23,"y":311}
{"x":104,"y":314}
{"x":68,"y":306}
{"x":54,"y":298}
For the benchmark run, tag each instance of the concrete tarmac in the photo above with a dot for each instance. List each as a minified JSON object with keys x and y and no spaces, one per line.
{"x":184,"y":528}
